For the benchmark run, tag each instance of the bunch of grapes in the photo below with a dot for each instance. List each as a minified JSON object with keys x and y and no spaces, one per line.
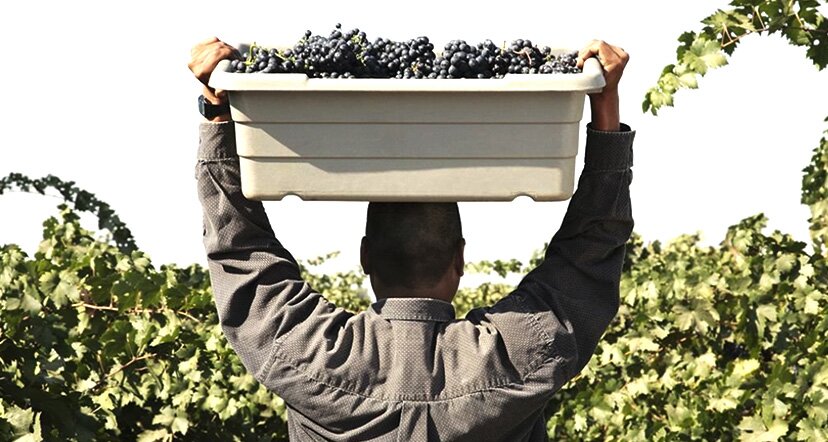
{"x":395,"y":59}
{"x":462,"y":60}
{"x":338,"y":55}
{"x":351,"y":55}
{"x":524,"y":57}
{"x":564,"y":64}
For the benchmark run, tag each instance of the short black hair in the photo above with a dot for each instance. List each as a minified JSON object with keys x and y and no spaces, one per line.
{"x":412,"y":244}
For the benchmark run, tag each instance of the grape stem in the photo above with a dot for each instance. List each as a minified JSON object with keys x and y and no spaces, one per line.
{"x":253,"y":48}
{"x":361,"y":42}
{"x":250,"y":51}
{"x":525,"y":52}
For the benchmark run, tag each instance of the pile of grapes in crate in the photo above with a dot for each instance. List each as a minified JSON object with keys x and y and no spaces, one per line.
{"x":352,"y":55}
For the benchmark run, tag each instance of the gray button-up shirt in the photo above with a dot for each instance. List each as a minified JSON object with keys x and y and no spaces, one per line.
{"x":406,"y":369}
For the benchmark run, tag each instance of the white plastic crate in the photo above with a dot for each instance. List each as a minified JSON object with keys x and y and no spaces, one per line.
{"x":408,"y":140}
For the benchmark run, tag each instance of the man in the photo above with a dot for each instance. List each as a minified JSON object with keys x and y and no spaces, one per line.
{"x":405,"y":369}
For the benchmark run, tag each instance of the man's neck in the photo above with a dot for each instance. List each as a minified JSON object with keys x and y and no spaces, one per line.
{"x":444,"y":290}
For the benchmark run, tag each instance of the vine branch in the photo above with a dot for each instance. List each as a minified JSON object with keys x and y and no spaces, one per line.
{"x":121,"y":368}
{"x":133,"y":310}
{"x":80,"y":199}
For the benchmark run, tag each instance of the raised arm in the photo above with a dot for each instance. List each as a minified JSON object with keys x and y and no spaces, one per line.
{"x":575,"y":291}
{"x":258,"y":290}
{"x":578,"y":281}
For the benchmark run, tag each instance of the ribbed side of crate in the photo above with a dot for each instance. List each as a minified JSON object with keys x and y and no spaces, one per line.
{"x":407,"y":146}
{"x":407,"y":140}
{"x":408,"y":179}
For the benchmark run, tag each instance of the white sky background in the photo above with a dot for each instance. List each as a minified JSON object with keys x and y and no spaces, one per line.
{"x":99,"y":93}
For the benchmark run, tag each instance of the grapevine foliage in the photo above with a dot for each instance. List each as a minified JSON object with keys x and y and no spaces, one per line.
{"x":815,"y":193}
{"x":711,"y":343}
{"x":721,"y":343}
{"x":798,"y":20}
{"x":98,"y":344}
{"x":81,"y":200}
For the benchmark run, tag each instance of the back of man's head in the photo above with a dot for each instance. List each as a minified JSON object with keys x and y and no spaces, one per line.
{"x":412,"y":245}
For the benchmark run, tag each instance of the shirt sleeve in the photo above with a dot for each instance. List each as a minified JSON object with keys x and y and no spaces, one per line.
{"x":259,"y":293}
{"x":561,"y":309}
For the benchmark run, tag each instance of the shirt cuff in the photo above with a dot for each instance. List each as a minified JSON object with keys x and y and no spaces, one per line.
{"x":217,"y":141}
{"x":609,"y":150}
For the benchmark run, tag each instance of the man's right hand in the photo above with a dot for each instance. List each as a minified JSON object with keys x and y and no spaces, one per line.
{"x":613,"y":59}
{"x":203,"y":60}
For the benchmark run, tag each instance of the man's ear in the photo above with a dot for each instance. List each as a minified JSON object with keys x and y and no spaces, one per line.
{"x":459,"y":260}
{"x":363,"y":256}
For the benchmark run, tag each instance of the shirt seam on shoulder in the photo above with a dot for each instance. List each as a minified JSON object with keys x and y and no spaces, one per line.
{"x":532,"y":367}
{"x":497,"y":382}
{"x":277,"y":345}
{"x":549,"y":352}
{"x":311,"y":377}
{"x":547,"y":348}
{"x":503,"y":383}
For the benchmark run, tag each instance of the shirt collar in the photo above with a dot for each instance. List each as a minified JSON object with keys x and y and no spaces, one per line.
{"x":414,"y":309}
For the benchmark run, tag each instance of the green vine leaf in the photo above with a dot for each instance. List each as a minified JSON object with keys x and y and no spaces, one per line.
{"x":798,"y":20}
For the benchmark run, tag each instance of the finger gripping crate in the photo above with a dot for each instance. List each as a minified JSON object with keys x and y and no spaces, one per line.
{"x":407,"y":140}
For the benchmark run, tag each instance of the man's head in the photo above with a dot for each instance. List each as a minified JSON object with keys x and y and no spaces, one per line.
{"x":413,"y":249}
